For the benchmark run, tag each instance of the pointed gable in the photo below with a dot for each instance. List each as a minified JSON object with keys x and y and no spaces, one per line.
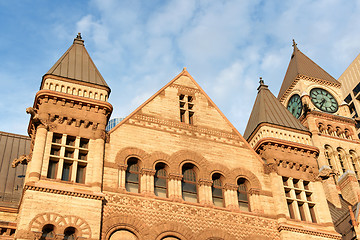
{"x":300,"y":64}
{"x":268,"y":109}
{"x":77,"y":64}
{"x":163,"y":108}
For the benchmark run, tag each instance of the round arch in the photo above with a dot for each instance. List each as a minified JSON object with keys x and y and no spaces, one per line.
{"x":244,"y":173}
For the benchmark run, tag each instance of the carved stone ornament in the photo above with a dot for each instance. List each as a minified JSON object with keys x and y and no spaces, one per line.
{"x":23,"y":159}
{"x":270,"y":167}
{"x":325,"y":173}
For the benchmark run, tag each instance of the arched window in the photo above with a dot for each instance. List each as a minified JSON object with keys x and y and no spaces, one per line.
{"x":170,"y":238}
{"x":132,"y":175}
{"x":160,"y":180}
{"x":48,"y":232}
{"x":217,"y":191}
{"x":242,"y":193}
{"x":123,"y":234}
{"x":70,"y":233}
{"x":342,"y":160}
{"x":188,"y":184}
{"x":327,"y":153}
{"x":354,"y":162}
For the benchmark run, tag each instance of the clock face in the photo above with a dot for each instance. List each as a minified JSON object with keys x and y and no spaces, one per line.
{"x":323,"y":100}
{"x":295,"y":105}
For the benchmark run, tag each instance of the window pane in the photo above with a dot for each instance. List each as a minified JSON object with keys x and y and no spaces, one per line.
{"x":189,"y":187}
{"x":218,"y":202}
{"x":244,"y":206}
{"x":52,"y":169}
{"x":132,"y":177}
{"x":242,"y":196}
{"x":132,"y":187}
{"x":217,"y":192}
{"x":190,"y":197}
{"x":160,"y":182}
{"x":66,"y":172}
{"x":160,"y":192}
{"x":80,"y":174}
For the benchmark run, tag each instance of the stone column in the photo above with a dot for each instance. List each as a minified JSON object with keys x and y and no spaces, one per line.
{"x":35,"y":164}
{"x":204,"y":192}
{"x":254,"y":201}
{"x":230,"y":196}
{"x":121,"y":176}
{"x":147,"y":181}
{"x":174,"y":191}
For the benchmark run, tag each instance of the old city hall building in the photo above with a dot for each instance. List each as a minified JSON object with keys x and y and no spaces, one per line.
{"x":176,"y":168}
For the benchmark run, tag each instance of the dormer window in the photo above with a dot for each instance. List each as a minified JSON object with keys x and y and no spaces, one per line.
{"x":186,"y":108}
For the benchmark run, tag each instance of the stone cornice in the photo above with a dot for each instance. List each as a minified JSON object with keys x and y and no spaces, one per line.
{"x":327,"y":116}
{"x":29,"y":186}
{"x":311,"y":79}
{"x":69,"y":80}
{"x":318,"y":233}
{"x":186,"y":129}
{"x":311,"y":150}
{"x":276,"y":126}
{"x":69,"y":98}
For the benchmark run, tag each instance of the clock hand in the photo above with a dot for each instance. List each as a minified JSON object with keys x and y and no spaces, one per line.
{"x":322,"y":103}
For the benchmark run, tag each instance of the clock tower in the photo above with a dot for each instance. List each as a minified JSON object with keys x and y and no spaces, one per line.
{"x":315,"y":98}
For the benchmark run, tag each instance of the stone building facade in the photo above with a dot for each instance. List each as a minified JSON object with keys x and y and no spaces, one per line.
{"x":177,"y":169}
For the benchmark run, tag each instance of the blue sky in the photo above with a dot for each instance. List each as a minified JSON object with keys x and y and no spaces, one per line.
{"x":138,"y":46}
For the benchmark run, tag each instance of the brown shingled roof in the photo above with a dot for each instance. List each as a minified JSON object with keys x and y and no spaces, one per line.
{"x":300,"y":64}
{"x":268,"y":109}
{"x":77,"y":64}
{"x":12,"y":179}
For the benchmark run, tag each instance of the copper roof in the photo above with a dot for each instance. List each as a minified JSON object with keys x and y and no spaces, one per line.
{"x":268,"y":109}
{"x":12,"y":146}
{"x":77,"y":64}
{"x":300,"y":64}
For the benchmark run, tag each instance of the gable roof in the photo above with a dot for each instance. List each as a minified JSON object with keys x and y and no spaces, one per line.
{"x":77,"y":64}
{"x":300,"y":64}
{"x":12,"y":146}
{"x":268,"y":109}
{"x":186,"y":73}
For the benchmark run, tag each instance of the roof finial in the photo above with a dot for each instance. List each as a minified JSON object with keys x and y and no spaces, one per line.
{"x":184,"y":69}
{"x":78,"y":39}
{"x":294,"y":44}
{"x":261,"y":81}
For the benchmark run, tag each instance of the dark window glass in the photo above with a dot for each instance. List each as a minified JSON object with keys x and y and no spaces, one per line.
{"x":132,"y":176}
{"x":52,"y":169}
{"x":66,"y":171}
{"x":47,"y":232}
{"x":69,"y":233}
{"x":348,"y":98}
{"x":356,"y":89}
{"x":160,"y":183}
{"x":84,"y":143}
{"x":70,"y":141}
{"x":57,"y":138}
{"x":80,"y":174}
{"x":242,"y":195}
{"x":189,"y":188}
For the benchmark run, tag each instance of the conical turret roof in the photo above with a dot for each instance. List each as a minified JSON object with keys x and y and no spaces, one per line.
{"x":300,"y":64}
{"x":77,"y":64}
{"x":268,"y":109}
